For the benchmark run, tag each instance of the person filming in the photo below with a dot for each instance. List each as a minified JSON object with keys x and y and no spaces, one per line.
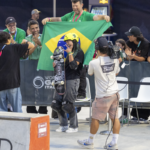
{"x":106,"y":101}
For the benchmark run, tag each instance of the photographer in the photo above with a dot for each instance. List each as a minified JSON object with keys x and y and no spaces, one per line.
{"x":137,"y":50}
{"x":65,"y":104}
{"x":106,"y":101}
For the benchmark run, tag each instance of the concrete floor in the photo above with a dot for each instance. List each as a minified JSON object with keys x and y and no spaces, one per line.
{"x":133,"y":137}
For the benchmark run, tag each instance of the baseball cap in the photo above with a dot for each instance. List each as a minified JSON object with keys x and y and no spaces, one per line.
{"x":10,"y":20}
{"x":134,"y":31}
{"x":102,"y":42}
{"x":35,"y":11}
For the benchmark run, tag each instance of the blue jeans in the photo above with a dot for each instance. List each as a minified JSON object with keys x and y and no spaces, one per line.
{"x":13,"y":97}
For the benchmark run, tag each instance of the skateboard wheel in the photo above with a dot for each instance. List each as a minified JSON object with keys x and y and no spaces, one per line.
{"x":52,"y":83}
{"x":60,"y":56}
{"x":62,"y":82}
{"x":51,"y":57}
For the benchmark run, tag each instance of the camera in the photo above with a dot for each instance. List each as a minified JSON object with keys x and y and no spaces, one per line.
{"x":113,"y":51}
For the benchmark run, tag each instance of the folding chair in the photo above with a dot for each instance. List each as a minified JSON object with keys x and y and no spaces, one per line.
{"x":124,"y":93}
{"x":88,"y":96}
{"x":143,"y":94}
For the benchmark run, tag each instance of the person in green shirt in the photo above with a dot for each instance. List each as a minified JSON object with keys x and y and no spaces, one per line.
{"x":17,"y":34}
{"x":77,"y":15}
{"x":35,"y":38}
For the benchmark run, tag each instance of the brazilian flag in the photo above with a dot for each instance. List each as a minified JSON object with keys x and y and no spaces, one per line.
{"x":53,"y":36}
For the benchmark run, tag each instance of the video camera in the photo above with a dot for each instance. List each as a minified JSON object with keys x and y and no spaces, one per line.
{"x":113,"y":51}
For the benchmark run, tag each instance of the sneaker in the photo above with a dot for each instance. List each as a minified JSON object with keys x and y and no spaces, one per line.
{"x":62,"y":129}
{"x":122,"y":117}
{"x":85,"y":144}
{"x":134,"y":120}
{"x":143,"y":121}
{"x":111,"y":147}
{"x":72,"y":130}
{"x":125,"y":119}
{"x":80,"y":97}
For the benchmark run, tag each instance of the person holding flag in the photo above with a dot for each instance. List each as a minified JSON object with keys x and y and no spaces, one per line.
{"x":78,"y":15}
{"x":65,"y":104}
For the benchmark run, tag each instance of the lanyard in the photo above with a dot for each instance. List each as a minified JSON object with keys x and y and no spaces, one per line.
{"x":137,"y":50}
{"x":78,"y":17}
{"x":139,"y":45}
{"x":14,"y":35}
{"x":2,"y":50}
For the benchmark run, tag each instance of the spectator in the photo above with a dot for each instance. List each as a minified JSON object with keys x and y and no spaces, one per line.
{"x":34,"y":16}
{"x":35,"y":38}
{"x":17,"y":34}
{"x":10,"y":71}
{"x":122,"y":44}
{"x":137,"y":50}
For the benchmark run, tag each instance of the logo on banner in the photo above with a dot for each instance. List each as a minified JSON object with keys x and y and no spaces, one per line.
{"x":103,"y":1}
{"x":39,"y":82}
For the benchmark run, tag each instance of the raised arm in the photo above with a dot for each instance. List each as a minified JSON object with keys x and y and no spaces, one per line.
{"x":101,"y":17}
{"x":49,"y":19}
{"x":31,"y":46}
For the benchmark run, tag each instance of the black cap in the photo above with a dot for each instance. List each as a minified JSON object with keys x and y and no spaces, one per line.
{"x":102,"y":42}
{"x":10,"y":20}
{"x":134,"y":31}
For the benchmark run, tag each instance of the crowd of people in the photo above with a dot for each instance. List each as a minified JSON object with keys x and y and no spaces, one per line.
{"x":16,"y":44}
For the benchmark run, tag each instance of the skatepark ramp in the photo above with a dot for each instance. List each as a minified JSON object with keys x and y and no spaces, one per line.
{"x":24,"y":131}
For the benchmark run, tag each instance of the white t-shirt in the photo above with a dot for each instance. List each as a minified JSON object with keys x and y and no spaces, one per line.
{"x":104,"y":70}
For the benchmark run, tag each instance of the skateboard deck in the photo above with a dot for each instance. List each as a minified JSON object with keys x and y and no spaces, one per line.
{"x":59,"y":70}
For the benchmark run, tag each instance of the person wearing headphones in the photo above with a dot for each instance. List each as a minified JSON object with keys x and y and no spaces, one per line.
{"x":65,"y":104}
{"x":106,"y":101}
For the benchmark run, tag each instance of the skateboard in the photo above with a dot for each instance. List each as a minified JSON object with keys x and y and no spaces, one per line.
{"x":59,"y":70}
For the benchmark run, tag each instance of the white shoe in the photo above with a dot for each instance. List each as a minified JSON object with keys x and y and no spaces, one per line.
{"x":62,"y":129}
{"x":85,"y":144}
{"x":72,"y":130}
{"x":111,"y":147}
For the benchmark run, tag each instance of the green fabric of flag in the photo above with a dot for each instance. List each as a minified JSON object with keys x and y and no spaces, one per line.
{"x":53,"y":33}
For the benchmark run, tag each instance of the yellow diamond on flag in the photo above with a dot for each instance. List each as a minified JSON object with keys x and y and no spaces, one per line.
{"x":84,"y":41}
